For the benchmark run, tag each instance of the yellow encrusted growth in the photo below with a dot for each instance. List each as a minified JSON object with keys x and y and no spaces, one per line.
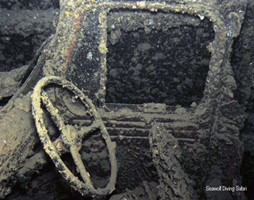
{"x":103,"y":24}
{"x":70,"y":137}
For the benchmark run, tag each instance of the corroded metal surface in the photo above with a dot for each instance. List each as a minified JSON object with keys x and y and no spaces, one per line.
{"x":82,"y":58}
{"x":207,"y":133}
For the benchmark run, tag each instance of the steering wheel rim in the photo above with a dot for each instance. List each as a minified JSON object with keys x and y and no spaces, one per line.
{"x":86,"y":186}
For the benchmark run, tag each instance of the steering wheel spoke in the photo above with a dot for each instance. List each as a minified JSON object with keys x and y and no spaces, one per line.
{"x":80,"y":165}
{"x":87,"y":130}
{"x":54,"y":112}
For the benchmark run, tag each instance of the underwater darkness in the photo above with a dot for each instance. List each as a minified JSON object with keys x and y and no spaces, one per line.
{"x":143,"y":66}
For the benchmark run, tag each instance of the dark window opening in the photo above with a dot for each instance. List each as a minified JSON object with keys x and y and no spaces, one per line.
{"x":157,"y":58}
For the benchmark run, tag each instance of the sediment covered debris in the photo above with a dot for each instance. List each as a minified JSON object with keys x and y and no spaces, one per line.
{"x":184,"y":137}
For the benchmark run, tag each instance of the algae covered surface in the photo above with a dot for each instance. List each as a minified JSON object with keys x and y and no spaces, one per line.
{"x":171,"y":83}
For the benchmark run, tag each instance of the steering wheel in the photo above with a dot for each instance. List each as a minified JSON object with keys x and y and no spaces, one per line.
{"x":70,"y":136}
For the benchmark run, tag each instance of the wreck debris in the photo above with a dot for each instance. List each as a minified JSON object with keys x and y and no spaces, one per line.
{"x":16,"y":142}
{"x":200,"y":130}
{"x":10,"y":81}
{"x":145,"y":191}
{"x":174,"y":183}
